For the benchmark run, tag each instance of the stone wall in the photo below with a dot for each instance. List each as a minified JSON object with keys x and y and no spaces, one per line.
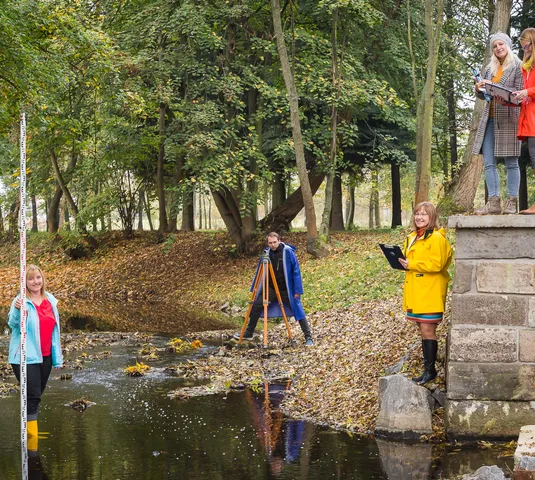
{"x":491,"y":348}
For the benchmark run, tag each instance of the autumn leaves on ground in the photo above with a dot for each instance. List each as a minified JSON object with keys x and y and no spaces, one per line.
{"x":352,"y":298}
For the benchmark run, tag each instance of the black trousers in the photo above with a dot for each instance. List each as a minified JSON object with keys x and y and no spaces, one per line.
{"x":37,"y":378}
{"x":258,"y":305}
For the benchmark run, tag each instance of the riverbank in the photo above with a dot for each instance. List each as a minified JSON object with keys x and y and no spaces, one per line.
{"x":352,"y":297}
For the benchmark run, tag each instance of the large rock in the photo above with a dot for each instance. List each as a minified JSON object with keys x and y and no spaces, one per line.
{"x":486,"y":473}
{"x":405,"y":408}
{"x":402,"y":460}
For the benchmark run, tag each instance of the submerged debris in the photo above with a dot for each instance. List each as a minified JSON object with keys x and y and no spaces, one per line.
{"x":81,"y":404}
{"x":137,"y":370}
{"x":177,"y":345}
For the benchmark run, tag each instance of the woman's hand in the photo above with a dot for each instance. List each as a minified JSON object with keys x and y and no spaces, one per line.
{"x":404,"y":263}
{"x":18,"y":303}
{"x":480,"y":86}
{"x":521,"y":94}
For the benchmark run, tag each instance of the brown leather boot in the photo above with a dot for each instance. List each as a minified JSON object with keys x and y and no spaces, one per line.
{"x":492,"y":207}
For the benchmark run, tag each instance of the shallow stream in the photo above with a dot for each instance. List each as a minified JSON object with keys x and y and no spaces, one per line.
{"x":135,"y":431}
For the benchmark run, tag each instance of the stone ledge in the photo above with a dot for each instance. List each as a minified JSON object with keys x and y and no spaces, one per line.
{"x":491,"y":221}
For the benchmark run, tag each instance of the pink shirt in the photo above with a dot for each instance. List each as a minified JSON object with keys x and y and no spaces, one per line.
{"x":47,"y":322}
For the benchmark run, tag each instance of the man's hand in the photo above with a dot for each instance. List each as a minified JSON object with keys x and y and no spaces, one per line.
{"x":297,"y":295}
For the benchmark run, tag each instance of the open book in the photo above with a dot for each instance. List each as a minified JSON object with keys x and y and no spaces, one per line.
{"x":499,"y":91}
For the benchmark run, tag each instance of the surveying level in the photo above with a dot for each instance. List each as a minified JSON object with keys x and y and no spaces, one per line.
{"x":265,"y":271}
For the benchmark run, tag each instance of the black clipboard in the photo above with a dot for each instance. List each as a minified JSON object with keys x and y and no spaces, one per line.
{"x":499,"y":91}
{"x":392,"y":253}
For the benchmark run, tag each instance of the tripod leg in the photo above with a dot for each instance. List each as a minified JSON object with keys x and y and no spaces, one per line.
{"x":265,"y":293}
{"x":253,"y":297}
{"x":273,"y":279}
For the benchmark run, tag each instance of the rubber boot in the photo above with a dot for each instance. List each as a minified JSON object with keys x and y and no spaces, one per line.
{"x":430,"y":356}
{"x":249,"y":330}
{"x":419,"y":378}
{"x":33,"y":435}
{"x":306,"y":330}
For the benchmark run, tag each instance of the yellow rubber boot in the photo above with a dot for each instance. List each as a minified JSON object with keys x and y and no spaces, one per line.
{"x":33,"y":436}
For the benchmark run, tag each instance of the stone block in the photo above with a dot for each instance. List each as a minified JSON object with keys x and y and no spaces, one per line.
{"x":489,"y":309}
{"x":527,"y":345}
{"x":404,"y":408}
{"x":514,"y":278}
{"x":483,"y":344}
{"x":525,"y":450}
{"x":494,"y":244}
{"x":462,"y":281}
{"x":491,"y":381}
{"x":487,"y":419}
{"x":531,"y":312}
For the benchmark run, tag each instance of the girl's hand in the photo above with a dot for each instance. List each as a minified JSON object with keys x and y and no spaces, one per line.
{"x":521,"y":94}
{"x":18,"y":303}
{"x":59,"y":368}
{"x":404,"y":263}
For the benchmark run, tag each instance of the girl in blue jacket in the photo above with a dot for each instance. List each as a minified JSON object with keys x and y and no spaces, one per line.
{"x":43,"y":347}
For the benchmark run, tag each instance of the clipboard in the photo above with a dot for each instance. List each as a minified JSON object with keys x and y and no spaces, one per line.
{"x":499,"y":91}
{"x":392,"y":253}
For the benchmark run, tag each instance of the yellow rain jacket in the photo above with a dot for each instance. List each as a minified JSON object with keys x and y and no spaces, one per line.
{"x":426,"y":280}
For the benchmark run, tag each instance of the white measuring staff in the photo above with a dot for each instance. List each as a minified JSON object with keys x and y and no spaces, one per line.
{"x":23,"y":371}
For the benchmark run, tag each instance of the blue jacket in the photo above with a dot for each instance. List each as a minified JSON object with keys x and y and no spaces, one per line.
{"x":33,"y":339}
{"x":294,"y":284}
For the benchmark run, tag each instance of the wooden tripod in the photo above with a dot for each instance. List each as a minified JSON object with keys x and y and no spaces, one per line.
{"x":265,"y":271}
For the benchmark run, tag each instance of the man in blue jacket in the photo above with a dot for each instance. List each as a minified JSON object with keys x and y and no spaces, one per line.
{"x":290,"y":283}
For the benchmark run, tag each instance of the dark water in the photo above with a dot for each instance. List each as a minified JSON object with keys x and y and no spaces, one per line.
{"x":134,"y":431}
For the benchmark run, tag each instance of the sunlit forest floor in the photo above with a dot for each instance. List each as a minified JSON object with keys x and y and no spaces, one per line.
{"x":352,"y":298}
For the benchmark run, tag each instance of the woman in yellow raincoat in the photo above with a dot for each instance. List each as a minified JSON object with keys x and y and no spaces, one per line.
{"x":427,"y":257}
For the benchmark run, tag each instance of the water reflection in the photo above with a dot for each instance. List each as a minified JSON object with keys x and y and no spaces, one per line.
{"x":284,"y":440}
{"x":35,"y":467}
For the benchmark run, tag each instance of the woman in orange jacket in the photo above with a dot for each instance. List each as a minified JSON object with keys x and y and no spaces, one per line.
{"x":427,"y":257}
{"x":526,"y":121}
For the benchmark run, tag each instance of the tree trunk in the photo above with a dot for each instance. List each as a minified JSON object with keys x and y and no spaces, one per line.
{"x":337,"y":217}
{"x":396,"y":194}
{"x":147,"y":211}
{"x":140,"y":203}
{"x":424,"y":113}
{"x":66,"y":218}
{"x":1,"y":220}
{"x":53,"y":210}
{"x":160,"y":177}
{"x":314,"y":245}
{"x":34,"y":214}
{"x":278,"y":192}
{"x":188,"y":213}
{"x":327,"y":217}
{"x":67,"y":194}
{"x":230,"y":215}
{"x":279,"y":218}
{"x":350,"y":220}
{"x":460,"y":196}
{"x":12,"y":221}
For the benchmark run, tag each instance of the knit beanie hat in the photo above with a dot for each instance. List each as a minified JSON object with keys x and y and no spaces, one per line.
{"x":500,"y":36}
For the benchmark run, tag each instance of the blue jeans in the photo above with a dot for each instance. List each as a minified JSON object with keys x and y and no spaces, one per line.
{"x":491,"y":171}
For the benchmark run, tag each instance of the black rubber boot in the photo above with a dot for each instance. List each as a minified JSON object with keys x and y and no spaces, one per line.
{"x":430,"y":355}
{"x":306,"y":331}
{"x":249,"y":330}
{"x":419,"y":378}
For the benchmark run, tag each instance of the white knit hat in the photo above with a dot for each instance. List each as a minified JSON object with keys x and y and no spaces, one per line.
{"x":501,"y":36}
